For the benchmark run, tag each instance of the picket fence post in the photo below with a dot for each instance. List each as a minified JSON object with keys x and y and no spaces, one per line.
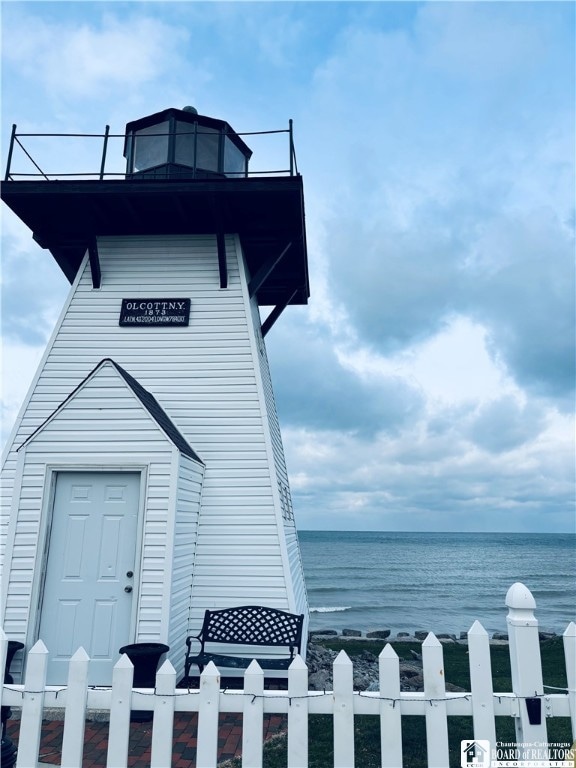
{"x":119,"y":732}
{"x":481,"y":686}
{"x":75,"y":713}
{"x":253,"y":719}
{"x":207,"y":748}
{"x":435,"y":694}
{"x":163,"y":725}
{"x":390,"y":713}
{"x":32,"y":706}
{"x":526,"y":668}
{"x":569,"y":640}
{"x":343,"y":717}
{"x":298,"y":714}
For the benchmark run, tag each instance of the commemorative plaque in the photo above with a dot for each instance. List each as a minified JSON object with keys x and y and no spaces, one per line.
{"x":142,"y":313}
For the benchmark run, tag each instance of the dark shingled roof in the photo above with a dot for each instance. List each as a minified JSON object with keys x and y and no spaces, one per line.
{"x":148,"y":401}
{"x":156,"y":411}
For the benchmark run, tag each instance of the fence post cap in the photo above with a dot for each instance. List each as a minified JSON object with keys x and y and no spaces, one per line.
{"x":124,"y":662}
{"x":342,"y":659}
{"x":477,"y":629}
{"x":520,"y":598}
{"x":298,"y":663}
{"x":254,"y":669}
{"x":166,"y":668}
{"x":38,"y":648}
{"x":210,"y":671}
{"x":570,"y":630}
{"x":388,"y":652}
{"x":431,"y":641}
{"x":521,"y":604}
{"x":80,"y":655}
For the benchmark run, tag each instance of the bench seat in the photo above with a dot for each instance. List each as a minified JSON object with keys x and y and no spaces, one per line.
{"x":246,"y":625}
{"x":239,"y":662}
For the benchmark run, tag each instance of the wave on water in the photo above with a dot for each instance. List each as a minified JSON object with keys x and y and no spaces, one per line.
{"x":334,"y":609}
{"x":444,"y":594}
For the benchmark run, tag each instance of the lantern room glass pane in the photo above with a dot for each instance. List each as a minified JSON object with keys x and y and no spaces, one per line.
{"x":150,"y":149}
{"x":207,"y":141}
{"x":207,"y":149}
{"x":234,"y":160}
{"x":184,"y":147}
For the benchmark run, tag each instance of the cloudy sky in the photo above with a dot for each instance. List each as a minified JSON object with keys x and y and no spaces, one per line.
{"x":429,"y":383}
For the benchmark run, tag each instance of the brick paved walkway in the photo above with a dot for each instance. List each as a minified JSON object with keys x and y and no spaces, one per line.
{"x":184,"y":740}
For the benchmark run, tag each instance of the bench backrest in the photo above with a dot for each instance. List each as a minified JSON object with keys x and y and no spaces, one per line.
{"x":253,"y":625}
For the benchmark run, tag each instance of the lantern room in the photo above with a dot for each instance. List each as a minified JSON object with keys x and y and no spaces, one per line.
{"x":181,"y":144}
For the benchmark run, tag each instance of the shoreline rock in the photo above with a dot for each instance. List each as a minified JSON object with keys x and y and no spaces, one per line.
{"x":365,"y":671}
{"x":379,"y":634}
{"x":415,"y":637}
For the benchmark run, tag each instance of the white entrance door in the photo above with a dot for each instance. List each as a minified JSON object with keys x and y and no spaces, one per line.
{"x":90,"y":583}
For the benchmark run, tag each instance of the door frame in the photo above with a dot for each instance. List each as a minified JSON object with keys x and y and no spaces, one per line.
{"x":44,"y":533}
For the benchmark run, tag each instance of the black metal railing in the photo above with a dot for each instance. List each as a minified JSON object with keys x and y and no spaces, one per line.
{"x":16,"y":143}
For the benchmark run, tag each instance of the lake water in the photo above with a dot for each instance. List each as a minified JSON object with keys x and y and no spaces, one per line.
{"x":440,"y":582}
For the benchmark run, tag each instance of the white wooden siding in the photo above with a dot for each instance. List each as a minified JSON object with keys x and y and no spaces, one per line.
{"x":95,"y":445}
{"x":297,"y":570}
{"x":291,"y":536}
{"x":188,"y":502}
{"x":208,"y":380}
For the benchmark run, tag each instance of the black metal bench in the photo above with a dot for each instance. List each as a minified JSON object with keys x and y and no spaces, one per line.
{"x":246,"y":625}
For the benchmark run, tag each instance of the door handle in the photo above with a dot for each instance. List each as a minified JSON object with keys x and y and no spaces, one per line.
{"x":127,"y":589}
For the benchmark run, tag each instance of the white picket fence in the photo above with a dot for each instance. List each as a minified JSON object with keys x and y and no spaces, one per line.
{"x":297,"y":702}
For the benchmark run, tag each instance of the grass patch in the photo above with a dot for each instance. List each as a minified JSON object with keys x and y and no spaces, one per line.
{"x":456,"y":665}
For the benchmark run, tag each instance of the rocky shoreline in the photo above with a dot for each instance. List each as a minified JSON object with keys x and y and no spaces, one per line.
{"x":415,"y":637}
{"x":319,"y":658}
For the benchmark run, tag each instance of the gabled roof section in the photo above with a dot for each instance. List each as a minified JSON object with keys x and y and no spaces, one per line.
{"x":148,"y":401}
{"x":157,"y":412}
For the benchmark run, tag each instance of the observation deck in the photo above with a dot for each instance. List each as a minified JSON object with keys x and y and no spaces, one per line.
{"x":68,"y":211}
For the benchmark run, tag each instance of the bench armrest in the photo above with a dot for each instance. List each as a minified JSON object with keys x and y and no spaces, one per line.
{"x":190,"y":639}
{"x":189,"y":655}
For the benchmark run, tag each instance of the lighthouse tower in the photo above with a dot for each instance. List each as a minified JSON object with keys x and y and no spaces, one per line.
{"x":145,"y":478}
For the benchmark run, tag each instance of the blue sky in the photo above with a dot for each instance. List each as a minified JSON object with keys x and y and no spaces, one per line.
{"x":429,"y":384}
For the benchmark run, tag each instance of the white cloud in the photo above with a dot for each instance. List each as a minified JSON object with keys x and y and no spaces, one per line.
{"x":33,"y":287}
{"x":24,"y":360}
{"x":93,"y":59}
{"x":18,"y":233}
{"x":421,"y":480}
{"x":451,"y":367}
{"x":449,"y":196}
{"x":503,"y":45}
